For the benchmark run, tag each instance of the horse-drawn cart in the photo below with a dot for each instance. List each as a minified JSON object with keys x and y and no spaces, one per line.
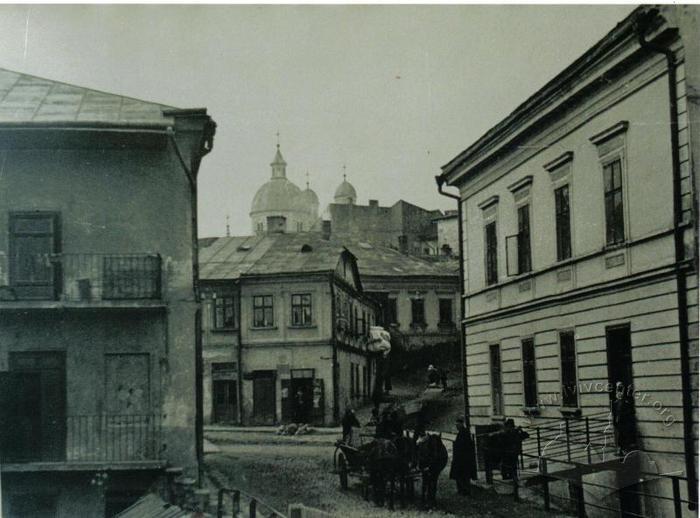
{"x":349,"y":461}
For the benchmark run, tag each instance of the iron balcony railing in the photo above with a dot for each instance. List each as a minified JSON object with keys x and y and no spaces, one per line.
{"x":84,"y":277}
{"x":84,"y":438}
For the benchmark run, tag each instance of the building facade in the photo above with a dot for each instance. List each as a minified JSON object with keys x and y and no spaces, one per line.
{"x":580,"y":251}
{"x":285,"y":330}
{"x":97,"y":296}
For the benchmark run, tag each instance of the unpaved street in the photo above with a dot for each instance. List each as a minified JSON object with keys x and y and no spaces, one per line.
{"x":283,"y":470}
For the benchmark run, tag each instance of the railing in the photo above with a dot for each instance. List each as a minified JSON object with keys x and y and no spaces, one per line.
{"x":86,"y":277}
{"x":241,"y":500}
{"x":86,"y":438}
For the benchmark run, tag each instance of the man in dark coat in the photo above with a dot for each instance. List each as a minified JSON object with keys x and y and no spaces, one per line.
{"x":348,"y":422}
{"x":463,"y":467}
{"x":512,"y":445}
{"x":624,"y":420}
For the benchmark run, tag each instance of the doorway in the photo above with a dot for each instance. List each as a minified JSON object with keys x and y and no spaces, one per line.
{"x":224,"y":393}
{"x":264,"y":400}
{"x":302,"y":393}
{"x":34,"y":399}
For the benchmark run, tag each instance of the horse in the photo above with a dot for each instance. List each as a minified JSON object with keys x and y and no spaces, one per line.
{"x":382,"y":462}
{"x":432,"y":459}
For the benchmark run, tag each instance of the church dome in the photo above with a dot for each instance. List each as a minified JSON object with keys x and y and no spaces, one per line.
{"x":345,"y":193}
{"x":278,"y":194}
{"x":308,"y":200}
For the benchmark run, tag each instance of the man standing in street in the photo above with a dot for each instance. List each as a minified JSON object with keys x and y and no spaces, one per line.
{"x":462,"y":468}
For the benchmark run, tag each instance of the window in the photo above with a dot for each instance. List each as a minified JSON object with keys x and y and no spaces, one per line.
{"x":224,"y":312}
{"x":524,"y":258}
{"x":446,"y":311}
{"x":392,"y":312}
{"x":529,"y":373}
{"x":568,"y":369}
{"x":352,"y":380}
{"x":563,"y":222}
{"x":365,"y":382}
{"x":33,"y":239}
{"x":417,"y":312}
{"x":491,"y":253}
{"x":260,"y":227}
{"x":301,"y":309}
{"x":614,"y":218}
{"x":496,"y":384}
{"x":263,"y":315}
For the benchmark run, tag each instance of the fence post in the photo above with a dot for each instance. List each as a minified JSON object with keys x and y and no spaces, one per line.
{"x":236,"y":503}
{"x":220,"y":504}
{"x":253,"y":509}
{"x":568,"y":439}
{"x":545,"y":483}
{"x":676,"y":497}
{"x":588,"y":440}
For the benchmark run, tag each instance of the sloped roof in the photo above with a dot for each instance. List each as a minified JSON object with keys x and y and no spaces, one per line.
{"x":375,"y":261}
{"x":151,"y":506}
{"x":26,"y":98}
{"x":229,"y":258}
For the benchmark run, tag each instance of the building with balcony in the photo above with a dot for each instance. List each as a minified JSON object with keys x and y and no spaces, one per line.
{"x":98,"y":301}
{"x":580,"y":257}
{"x":285,"y":330}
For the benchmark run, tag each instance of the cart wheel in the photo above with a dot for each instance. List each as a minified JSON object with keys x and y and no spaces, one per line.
{"x":343,"y":471}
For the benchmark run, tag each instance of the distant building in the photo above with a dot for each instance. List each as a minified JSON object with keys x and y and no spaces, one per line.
{"x":581,"y":257}
{"x":285,"y":329}
{"x":447,"y":234}
{"x":98,"y":299}
{"x":279,"y":205}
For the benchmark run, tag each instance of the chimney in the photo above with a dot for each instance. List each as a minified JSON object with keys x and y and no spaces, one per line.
{"x":325,"y":229}
{"x":276,"y":224}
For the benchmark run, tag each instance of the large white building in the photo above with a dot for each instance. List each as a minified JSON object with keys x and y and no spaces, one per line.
{"x":580,"y":254}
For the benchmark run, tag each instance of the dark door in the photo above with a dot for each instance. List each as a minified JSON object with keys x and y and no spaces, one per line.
{"x":41,"y":403}
{"x":224,"y":396}
{"x":302,"y":399}
{"x":619,"y":351}
{"x":264,"y":397}
{"x":20,"y":435}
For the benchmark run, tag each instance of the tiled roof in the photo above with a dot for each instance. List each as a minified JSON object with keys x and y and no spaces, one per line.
{"x":230,"y":257}
{"x":25,"y":98}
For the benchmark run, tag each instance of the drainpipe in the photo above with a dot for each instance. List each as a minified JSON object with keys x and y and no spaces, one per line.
{"x":440,"y":180}
{"x":681,"y":282}
{"x":336,"y":408}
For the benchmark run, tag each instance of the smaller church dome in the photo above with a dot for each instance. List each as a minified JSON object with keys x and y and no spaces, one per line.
{"x":309,"y":200}
{"x":345,"y":193}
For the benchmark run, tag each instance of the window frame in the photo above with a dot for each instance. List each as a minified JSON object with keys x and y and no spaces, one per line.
{"x":441,"y":301}
{"x":13,"y":236}
{"x":490,"y":254}
{"x":297,"y":308}
{"x":496,"y":388}
{"x":529,"y":370}
{"x":607,"y":161}
{"x":216,"y":307}
{"x":574,"y":356}
{"x":524,"y":242}
{"x":414,"y":301}
{"x":263,"y":308}
{"x":562,"y":217}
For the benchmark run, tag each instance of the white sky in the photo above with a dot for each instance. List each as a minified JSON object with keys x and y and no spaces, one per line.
{"x":393,"y":92}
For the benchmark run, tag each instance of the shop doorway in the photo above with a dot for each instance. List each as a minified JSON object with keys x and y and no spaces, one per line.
{"x":264,"y":397}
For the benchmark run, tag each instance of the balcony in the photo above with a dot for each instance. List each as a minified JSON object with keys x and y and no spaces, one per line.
{"x":83,"y":442}
{"x":83,"y":280}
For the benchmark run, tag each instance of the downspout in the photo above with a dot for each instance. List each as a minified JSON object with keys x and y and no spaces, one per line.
{"x":240,"y":355}
{"x":205,"y":147}
{"x":681,"y":281}
{"x":440,"y":180}
{"x":336,"y":411}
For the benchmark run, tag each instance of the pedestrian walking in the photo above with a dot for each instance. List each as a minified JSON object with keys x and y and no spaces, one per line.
{"x":462,"y":468}
{"x":349,"y":422}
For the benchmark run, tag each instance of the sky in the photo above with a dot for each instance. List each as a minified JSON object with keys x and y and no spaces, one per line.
{"x":390,"y":92}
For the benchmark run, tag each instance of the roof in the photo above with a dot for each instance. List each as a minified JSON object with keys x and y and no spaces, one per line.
{"x":555,"y":87}
{"x":345,"y":190}
{"x":229,"y":258}
{"x":382,"y":261}
{"x":151,"y":506}
{"x":26,"y":98}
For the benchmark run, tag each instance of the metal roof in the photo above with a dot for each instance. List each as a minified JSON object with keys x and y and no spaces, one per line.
{"x":26,"y":98}
{"x":151,"y":506}
{"x":228,"y":258}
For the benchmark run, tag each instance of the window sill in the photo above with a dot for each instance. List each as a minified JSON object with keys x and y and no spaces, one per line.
{"x":305,"y":326}
{"x":615,"y":246}
{"x":224,"y":329}
{"x":570,"y":411}
{"x":267,"y":328}
{"x":530,"y":410}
